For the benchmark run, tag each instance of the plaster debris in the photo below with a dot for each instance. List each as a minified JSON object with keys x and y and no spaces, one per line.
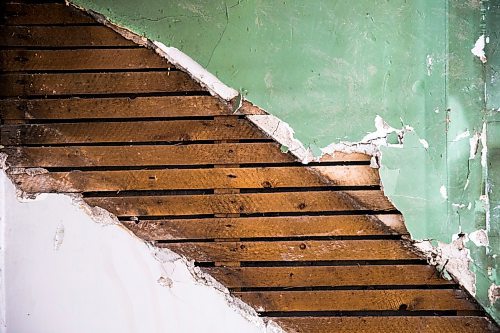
{"x":165,"y":282}
{"x":58,"y":237}
{"x":207,"y":79}
{"x":443,"y":191}
{"x":478,"y":49}
{"x":98,"y":214}
{"x":453,"y":258}
{"x":284,"y":134}
{"x":479,"y":237}
{"x":493,"y":293}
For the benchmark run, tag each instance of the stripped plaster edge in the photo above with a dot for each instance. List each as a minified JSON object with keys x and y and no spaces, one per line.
{"x":284,"y":134}
{"x":105,"y":218}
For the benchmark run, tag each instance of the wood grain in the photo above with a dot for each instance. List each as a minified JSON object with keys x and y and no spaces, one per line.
{"x":110,"y":107}
{"x":146,"y":155}
{"x":53,"y":84}
{"x":51,"y":36}
{"x":248,"y":203}
{"x":83,"y":59}
{"x":43,"y":13}
{"x":331,"y":276}
{"x":175,"y":179}
{"x":139,"y":131}
{"x":293,"y":250}
{"x":443,"y":324}
{"x":250,"y":227}
{"x":358,"y":300}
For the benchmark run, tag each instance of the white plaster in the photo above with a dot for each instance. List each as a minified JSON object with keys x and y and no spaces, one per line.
{"x":3,"y":207}
{"x":484,"y":147}
{"x":478,"y":49}
{"x":453,"y":258}
{"x":443,"y":191}
{"x":424,"y":143}
{"x":479,"y":237}
{"x":207,"y":79}
{"x":429,"y":65}
{"x":462,"y":136}
{"x":493,"y":293}
{"x":284,"y":134}
{"x":101,"y":278}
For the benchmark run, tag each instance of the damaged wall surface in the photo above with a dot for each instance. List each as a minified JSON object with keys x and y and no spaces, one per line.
{"x":65,"y":272}
{"x":330,"y":68}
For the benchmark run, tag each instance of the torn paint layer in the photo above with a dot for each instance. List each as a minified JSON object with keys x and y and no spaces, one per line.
{"x":478,"y":49}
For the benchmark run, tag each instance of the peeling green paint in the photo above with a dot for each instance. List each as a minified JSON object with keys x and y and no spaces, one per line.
{"x":328,"y":68}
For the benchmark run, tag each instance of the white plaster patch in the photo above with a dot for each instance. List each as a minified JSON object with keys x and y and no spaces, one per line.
{"x":493,"y":293}
{"x":429,"y":64}
{"x":424,"y":143}
{"x":443,"y":191}
{"x":207,"y":79}
{"x":479,"y":237}
{"x":462,"y":136}
{"x":454,"y":258}
{"x":284,"y":134}
{"x":484,"y":147}
{"x":478,"y":49}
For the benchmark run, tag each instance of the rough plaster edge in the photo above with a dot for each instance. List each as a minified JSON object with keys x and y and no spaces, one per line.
{"x":3,"y":308}
{"x":162,"y":255}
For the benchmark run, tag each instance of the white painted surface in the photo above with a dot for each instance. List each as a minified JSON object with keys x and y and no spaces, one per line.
{"x":66,"y":273}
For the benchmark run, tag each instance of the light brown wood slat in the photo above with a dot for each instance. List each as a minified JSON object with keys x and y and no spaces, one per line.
{"x":44,"y":13}
{"x":138,"y":131}
{"x":99,"y":108}
{"x":248,"y":203}
{"x":143,"y":155}
{"x":249,"y":227}
{"x":177,"y":179}
{"x":12,"y":85}
{"x":83,"y":59}
{"x":336,"y":276}
{"x":387,"y":324}
{"x":61,"y":36}
{"x":293,"y":250}
{"x":358,"y":300}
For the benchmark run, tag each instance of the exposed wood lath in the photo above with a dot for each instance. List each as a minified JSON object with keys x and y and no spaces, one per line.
{"x":134,"y":135}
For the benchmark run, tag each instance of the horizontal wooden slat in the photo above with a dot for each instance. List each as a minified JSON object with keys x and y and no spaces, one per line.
{"x":98,"y":108}
{"x":61,"y":36}
{"x":83,"y":59}
{"x":327,"y":276}
{"x":139,"y":131}
{"x":12,"y":85}
{"x":358,"y":300}
{"x":43,"y":13}
{"x":249,"y":203}
{"x":176,"y":179}
{"x":195,"y":154}
{"x":293,"y":250}
{"x":386,"y":324}
{"x":289,"y":226}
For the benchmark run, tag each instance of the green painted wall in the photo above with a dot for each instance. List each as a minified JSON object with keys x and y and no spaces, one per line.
{"x":329,"y":67}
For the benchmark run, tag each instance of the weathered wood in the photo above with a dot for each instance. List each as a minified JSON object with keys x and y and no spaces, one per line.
{"x":100,"y":108}
{"x":82,"y":59}
{"x":248,"y":203}
{"x":249,"y":227}
{"x":146,"y":155}
{"x":44,"y":13}
{"x":138,"y":131}
{"x":327,"y":276}
{"x":385,"y":324}
{"x":61,"y":36}
{"x":358,"y":300}
{"x":12,"y":85}
{"x":293,"y":250}
{"x":177,"y":179}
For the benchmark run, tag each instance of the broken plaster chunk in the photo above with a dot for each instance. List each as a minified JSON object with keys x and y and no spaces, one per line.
{"x":479,"y":237}
{"x":165,"y":282}
{"x":478,"y":49}
{"x":494,"y":293}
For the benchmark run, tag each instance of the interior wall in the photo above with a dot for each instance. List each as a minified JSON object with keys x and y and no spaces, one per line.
{"x":329,"y":68}
{"x":64,"y":272}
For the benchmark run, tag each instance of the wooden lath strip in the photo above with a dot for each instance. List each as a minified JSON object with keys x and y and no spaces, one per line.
{"x":358,"y":300}
{"x":322,"y":250}
{"x":55,"y":84}
{"x":195,"y":179}
{"x":327,"y":276}
{"x":43,"y":14}
{"x":261,"y":227}
{"x":83,"y":59}
{"x":248,"y":203}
